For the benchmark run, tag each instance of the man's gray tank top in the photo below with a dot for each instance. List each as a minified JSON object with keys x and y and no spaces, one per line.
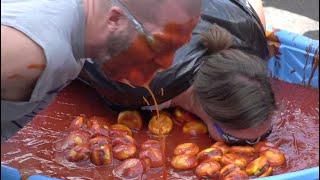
{"x":57,"y":26}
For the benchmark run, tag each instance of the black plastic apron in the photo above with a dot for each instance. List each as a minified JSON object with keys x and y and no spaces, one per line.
{"x":237,"y":16}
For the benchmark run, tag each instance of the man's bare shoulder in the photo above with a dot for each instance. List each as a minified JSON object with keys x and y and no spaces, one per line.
{"x":22,"y":62}
{"x":258,"y":7}
{"x":18,"y":44}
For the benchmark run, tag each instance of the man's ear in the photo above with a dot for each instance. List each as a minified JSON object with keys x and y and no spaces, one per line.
{"x":115,"y":18}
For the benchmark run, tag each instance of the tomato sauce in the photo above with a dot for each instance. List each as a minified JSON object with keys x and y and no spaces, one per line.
{"x":36,"y":66}
{"x":315,"y":65}
{"x":32,"y":150}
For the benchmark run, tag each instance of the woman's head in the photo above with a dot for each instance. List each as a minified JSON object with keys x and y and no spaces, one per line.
{"x":233,"y":89}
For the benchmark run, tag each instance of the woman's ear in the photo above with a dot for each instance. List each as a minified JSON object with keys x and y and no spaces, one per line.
{"x":115,"y":19}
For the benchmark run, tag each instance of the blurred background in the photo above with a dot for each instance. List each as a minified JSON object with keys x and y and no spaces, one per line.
{"x":298,"y":16}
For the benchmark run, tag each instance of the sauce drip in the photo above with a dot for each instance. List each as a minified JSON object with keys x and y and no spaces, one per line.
{"x":146,"y":101}
{"x":154,"y":101}
{"x":162,"y":136}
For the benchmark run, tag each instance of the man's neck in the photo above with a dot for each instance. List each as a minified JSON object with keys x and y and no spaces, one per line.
{"x":95,"y":24}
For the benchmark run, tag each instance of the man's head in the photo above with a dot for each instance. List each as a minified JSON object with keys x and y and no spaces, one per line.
{"x":111,"y":36}
{"x":233,"y":90}
{"x":108,"y":30}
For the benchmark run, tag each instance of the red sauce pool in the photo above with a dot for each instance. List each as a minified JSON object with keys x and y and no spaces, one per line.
{"x":296,"y":131}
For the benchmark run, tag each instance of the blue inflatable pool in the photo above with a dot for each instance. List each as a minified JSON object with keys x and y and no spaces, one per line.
{"x":296,"y":61}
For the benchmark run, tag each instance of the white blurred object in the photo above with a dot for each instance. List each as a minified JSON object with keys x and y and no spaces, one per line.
{"x":282,"y":19}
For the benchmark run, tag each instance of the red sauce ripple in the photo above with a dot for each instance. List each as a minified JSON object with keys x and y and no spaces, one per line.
{"x":296,"y":131}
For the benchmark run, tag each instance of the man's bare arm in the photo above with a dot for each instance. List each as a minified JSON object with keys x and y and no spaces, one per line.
{"x":258,"y":7}
{"x":22,"y":62}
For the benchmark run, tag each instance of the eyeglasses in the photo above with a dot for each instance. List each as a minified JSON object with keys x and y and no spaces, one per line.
{"x":137,"y":24}
{"x":229,"y":139}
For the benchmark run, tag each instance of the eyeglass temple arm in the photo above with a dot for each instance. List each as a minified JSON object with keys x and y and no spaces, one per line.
{"x":137,"y":25}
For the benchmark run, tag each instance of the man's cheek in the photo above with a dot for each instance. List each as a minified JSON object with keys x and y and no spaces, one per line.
{"x":165,"y":60}
{"x":142,"y":74}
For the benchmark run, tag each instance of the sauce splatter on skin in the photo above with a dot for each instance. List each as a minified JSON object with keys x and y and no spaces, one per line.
{"x":15,"y":76}
{"x":37,"y":66}
{"x":295,"y":130}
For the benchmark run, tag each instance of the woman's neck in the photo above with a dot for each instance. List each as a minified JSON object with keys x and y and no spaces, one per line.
{"x":189,"y":101}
